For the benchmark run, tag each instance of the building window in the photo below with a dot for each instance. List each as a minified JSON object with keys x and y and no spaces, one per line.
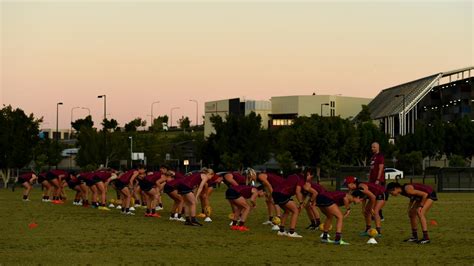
{"x":333,"y":104}
{"x":56,"y":135}
{"x":282,"y":122}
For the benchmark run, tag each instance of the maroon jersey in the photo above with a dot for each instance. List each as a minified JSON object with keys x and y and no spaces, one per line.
{"x":174,"y":183}
{"x":125,"y":177}
{"x":336,"y":196}
{"x":375,"y":189}
{"x":58,"y":172}
{"x":375,"y":162}
{"x":420,"y":187}
{"x":213,"y":180}
{"x":87,"y":175}
{"x":274,"y":180}
{"x":240,"y":179}
{"x":191,"y":181}
{"x":288,"y":187}
{"x":26,"y":177}
{"x":318,"y":187}
{"x":152,"y":178}
{"x":244,"y":191}
{"x":103,"y":175}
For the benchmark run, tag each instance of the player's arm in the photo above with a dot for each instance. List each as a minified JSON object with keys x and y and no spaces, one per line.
{"x":347,"y":205}
{"x":312,"y":191}
{"x":253,"y":198}
{"x":33,"y":178}
{"x":299,"y":196}
{"x":201,"y":186}
{"x":369,"y":194}
{"x":230,"y":179}
{"x":132,"y":179}
{"x":380,"y":176}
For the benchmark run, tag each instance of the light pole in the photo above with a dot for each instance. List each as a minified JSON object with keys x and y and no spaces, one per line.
{"x":88,"y":110}
{"x":105,"y":104}
{"x":157,"y":102}
{"x":131,"y":152}
{"x":171,"y":115}
{"x":197,"y":104}
{"x":327,"y":104}
{"x":57,"y":120}
{"x":72,"y":111}
{"x":403,"y":111}
{"x":105,"y":135}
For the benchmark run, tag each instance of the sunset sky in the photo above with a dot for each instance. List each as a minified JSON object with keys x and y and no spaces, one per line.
{"x":140,"y":52}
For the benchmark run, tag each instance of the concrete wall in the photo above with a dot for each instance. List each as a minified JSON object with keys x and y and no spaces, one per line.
{"x":350,"y":106}
{"x":220,"y":108}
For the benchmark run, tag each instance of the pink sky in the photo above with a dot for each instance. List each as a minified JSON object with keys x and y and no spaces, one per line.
{"x":138,"y":53}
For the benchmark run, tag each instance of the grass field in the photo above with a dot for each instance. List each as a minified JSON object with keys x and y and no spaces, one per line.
{"x":68,"y":234}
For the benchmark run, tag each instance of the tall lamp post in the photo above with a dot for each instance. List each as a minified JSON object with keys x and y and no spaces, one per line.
{"x":72,"y":111}
{"x":157,"y":102}
{"x":57,"y":120}
{"x":105,"y":104}
{"x":197,"y":110}
{"x":105,"y":135}
{"x":171,"y":115}
{"x":327,"y":104}
{"x":88,"y":110}
{"x":403,"y":112}
{"x":131,"y":152}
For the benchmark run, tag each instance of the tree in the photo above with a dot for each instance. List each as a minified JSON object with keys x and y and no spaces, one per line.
{"x":459,"y":138}
{"x":364,"y":115}
{"x":184,"y":123}
{"x":134,"y":124}
{"x":90,"y":144}
{"x":238,"y":138}
{"x":18,"y":137}
{"x":110,"y":124}
{"x":47,"y":153}
{"x":368,"y":133}
{"x":158,"y":123}
{"x":82,"y":123}
{"x":285,"y":161}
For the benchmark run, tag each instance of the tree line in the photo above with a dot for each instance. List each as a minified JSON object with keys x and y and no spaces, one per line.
{"x":238,"y":141}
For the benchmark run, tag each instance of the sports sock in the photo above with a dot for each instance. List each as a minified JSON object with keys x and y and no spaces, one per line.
{"x":282,"y":228}
{"x":241,"y":223}
{"x":148,"y":211}
{"x":414,"y":233}
{"x":270,"y":218}
{"x":313,"y":222}
{"x":379,"y":230}
{"x":367,"y":228}
{"x":425,"y":235}
{"x":292,"y":230}
{"x":338,"y":236}
{"x":153,"y":211}
{"x":318,"y":222}
{"x":25,"y":197}
{"x":234,"y":222}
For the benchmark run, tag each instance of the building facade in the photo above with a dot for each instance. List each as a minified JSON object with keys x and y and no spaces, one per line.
{"x":234,"y":106}
{"x":281,"y":111}
{"x":286,"y":108}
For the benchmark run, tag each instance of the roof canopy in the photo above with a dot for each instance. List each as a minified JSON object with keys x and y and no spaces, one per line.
{"x":387,"y":104}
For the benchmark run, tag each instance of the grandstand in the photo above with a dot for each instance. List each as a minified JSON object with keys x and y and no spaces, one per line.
{"x":449,"y":95}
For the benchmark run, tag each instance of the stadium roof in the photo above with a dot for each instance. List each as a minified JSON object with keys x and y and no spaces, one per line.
{"x":386,"y":104}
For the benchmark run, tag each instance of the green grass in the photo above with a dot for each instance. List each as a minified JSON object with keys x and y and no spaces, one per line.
{"x":67,"y":234}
